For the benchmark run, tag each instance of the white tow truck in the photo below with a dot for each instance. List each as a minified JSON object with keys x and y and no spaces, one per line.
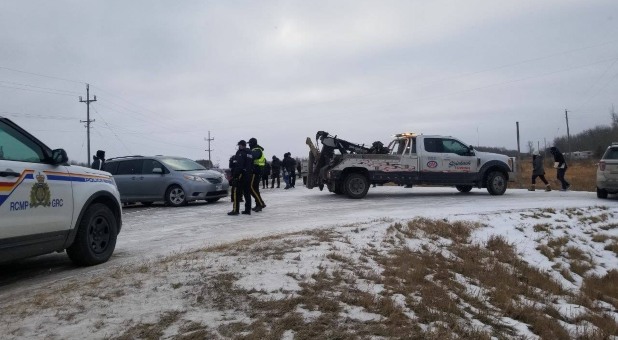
{"x":349,"y":169}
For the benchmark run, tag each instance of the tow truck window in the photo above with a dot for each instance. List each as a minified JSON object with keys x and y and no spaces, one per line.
{"x":16,"y":147}
{"x":453,"y":146}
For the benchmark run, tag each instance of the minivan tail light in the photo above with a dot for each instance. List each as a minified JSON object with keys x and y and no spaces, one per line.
{"x":602,"y":166}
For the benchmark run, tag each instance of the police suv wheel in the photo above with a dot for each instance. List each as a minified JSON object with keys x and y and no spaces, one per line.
{"x":496,"y":183}
{"x":356,"y":186}
{"x":175,"y":196}
{"x":96,"y":236}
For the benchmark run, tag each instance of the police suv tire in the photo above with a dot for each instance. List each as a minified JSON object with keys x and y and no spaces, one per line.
{"x":463,"y":188}
{"x":601,"y":193}
{"x":356,"y":185}
{"x":175,"y":196}
{"x":96,"y":236}
{"x":496,"y":183}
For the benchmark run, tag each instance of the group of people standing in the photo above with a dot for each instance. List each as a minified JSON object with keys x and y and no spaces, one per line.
{"x":286,"y":167}
{"x":538,"y":169}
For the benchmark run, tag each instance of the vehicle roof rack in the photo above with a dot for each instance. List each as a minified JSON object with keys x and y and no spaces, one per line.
{"x":120,"y":157}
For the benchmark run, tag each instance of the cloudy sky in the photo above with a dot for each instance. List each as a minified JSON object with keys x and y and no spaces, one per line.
{"x":167,"y":72}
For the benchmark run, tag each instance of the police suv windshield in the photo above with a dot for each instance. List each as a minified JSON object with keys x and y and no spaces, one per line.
{"x":182,"y":164}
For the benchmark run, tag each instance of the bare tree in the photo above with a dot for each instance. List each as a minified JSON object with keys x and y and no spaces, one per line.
{"x":530,"y":147}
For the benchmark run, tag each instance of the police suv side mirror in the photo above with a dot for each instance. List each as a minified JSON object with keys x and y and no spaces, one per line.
{"x":59,"y":156}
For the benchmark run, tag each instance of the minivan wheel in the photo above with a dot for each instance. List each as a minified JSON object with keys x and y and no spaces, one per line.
{"x":175,"y":196}
{"x":601,"y":193}
{"x":96,"y":236}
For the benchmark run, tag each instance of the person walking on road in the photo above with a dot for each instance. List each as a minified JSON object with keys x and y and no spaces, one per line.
{"x":289,"y":168}
{"x":241,"y":165}
{"x":98,"y":161}
{"x":538,"y":170}
{"x":265,"y":175}
{"x":257,"y":152}
{"x":561,"y":168}
{"x":275,"y":168}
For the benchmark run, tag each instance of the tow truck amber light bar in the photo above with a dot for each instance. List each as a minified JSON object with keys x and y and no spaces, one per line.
{"x":406,"y":134}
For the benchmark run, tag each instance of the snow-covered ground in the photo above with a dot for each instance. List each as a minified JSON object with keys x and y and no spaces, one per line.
{"x":149,"y":235}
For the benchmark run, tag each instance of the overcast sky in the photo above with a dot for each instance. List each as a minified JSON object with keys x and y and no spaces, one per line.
{"x":167,"y":72}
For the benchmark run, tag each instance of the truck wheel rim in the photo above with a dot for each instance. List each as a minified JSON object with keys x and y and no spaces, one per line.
{"x":498,"y":183}
{"x":98,"y":234}
{"x":357,"y":186}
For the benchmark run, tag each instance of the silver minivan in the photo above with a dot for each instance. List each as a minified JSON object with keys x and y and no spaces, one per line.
{"x":173,"y":180}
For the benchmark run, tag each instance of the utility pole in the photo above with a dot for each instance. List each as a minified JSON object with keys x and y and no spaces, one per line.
{"x":209,"y":149}
{"x":87,"y":121}
{"x":518,"y":150}
{"x":566,"y":115}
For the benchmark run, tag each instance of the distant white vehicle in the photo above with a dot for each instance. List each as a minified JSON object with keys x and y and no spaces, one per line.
{"x":607,"y":172}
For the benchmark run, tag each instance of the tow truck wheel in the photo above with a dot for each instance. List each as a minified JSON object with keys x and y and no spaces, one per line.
{"x":356,"y":185}
{"x":463,"y":188}
{"x":96,"y":236}
{"x":601,"y":193}
{"x":496,"y":183}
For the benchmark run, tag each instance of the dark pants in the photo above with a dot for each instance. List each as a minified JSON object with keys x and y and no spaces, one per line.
{"x":560,"y":175}
{"x":265,"y":182}
{"x":241,"y":189}
{"x":255,"y":190}
{"x":275,"y":176}
{"x":292,"y":179}
{"x":542,"y":177}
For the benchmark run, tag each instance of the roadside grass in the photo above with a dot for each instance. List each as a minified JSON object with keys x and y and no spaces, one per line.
{"x":581,"y":174}
{"x":418,"y":279}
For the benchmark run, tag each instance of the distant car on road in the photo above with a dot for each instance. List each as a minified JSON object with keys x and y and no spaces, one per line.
{"x":607,"y":172}
{"x":47,"y":205}
{"x":173,"y":180}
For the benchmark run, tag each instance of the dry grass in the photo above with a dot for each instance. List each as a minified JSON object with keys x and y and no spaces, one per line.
{"x":581,"y":175}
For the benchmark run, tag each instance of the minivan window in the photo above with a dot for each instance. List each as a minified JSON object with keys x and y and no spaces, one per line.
{"x":150,"y":164}
{"x":111,"y":167}
{"x":130,"y":167}
{"x":182,"y":164}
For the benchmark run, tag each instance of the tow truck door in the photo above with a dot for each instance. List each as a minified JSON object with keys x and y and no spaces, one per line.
{"x":447,"y":160}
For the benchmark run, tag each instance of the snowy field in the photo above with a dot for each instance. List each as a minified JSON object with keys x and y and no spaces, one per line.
{"x":174,"y":270}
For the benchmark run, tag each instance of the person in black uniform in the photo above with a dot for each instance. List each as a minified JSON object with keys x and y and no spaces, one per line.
{"x":98,"y":161}
{"x":275,"y":167}
{"x":289,"y":165}
{"x":265,"y":175}
{"x":257,"y":152}
{"x":241,"y":165}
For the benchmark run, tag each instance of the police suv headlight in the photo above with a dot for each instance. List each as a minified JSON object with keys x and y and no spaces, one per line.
{"x":195,"y":178}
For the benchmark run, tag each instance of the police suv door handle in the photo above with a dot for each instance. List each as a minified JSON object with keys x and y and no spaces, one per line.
{"x":9,"y":173}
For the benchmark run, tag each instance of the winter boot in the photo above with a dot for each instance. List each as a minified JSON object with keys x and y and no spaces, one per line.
{"x":547,"y":187}
{"x":531,"y":187}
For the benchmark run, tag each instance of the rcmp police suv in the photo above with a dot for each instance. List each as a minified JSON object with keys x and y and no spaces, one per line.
{"x":47,"y":205}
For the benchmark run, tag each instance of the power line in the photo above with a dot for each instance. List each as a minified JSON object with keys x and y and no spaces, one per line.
{"x":39,"y":91}
{"x":41,"y":75}
{"x":39,"y":87}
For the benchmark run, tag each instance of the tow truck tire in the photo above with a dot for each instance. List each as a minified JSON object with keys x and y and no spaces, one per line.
{"x":496,"y":183}
{"x":356,"y":185}
{"x":463,"y":188}
{"x":175,"y":196}
{"x":96,"y":236}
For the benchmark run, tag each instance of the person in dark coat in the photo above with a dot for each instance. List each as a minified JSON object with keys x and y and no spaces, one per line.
{"x":257,"y":152}
{"x":265,"y":175}
{"x":289,"y":168}
{"x":275,"y":168}
{"x":98,"y":161}
{"x":241,"y":166}
{"x":561,"y":167}
{"x":538,"y":170}
{"x":298,"y":167}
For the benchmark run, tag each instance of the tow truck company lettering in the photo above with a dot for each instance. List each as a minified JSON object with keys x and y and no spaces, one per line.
{"x":460,"y":165}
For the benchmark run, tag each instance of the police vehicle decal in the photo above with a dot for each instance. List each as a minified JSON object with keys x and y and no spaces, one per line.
{"x":40,"y":190}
